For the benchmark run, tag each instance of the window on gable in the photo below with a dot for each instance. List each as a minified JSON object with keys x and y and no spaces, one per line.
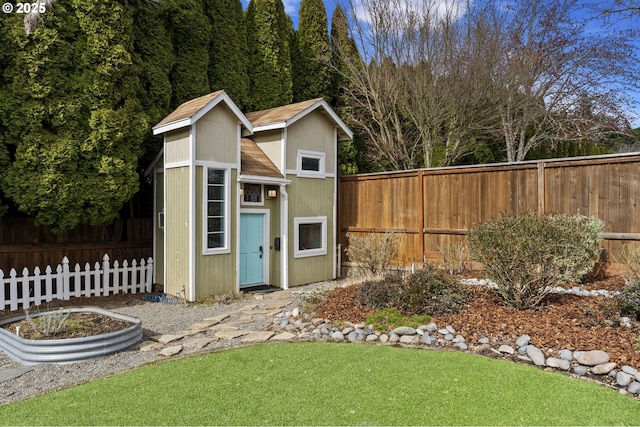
{"x":311,"y":164}
{"x":216,"y":209}
{"x":310,"y":236}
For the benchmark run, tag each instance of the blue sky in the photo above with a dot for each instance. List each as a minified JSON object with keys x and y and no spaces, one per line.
{"x":292,"y":7}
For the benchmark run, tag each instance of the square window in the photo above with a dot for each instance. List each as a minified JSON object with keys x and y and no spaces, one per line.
{"x":252,"y":194}
{"x":310,"y":236}
{"x":311,"y":164}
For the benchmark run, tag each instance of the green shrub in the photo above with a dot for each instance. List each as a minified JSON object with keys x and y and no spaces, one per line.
{"x":529,"y":254}
{"x":426,"y":292}
{"x":372,"y":253}
{"x":390,"y":318}
{"x":628,"y":300}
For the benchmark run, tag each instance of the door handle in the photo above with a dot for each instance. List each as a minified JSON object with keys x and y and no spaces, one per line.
{"x":261,"y":251}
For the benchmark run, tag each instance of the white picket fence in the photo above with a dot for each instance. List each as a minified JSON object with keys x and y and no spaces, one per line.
{"x":63,"y":283}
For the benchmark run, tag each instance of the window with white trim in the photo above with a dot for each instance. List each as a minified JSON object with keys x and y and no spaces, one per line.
{"x":311,"y":164}
{"x":310,"y":236}
{"x":216,"y":211}
{"x":252,"y":194}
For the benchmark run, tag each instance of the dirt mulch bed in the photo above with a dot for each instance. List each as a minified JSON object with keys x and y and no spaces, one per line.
{"x":563,"y":322}
{"x":76,"y":325}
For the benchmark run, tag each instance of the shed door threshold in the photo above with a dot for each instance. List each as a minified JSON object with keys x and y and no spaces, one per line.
{"x":259,"y":289}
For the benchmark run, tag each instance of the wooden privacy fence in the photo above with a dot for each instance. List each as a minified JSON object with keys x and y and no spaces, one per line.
{"x":63,"y":283}
{"x":432,"y":208}
{"x":24,"y":244}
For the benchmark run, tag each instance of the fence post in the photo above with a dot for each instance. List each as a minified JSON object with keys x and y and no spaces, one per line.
{"x":47,"y":284}
{"x":105,"y":275}
{"x":125,"y":277}
{"x":13,"y":289}
{"x":25,"y":288}
{"x":96,"y":279}
{"x":37,"y":286}
{"x":66,"y":285}
{"x":149,"y":275}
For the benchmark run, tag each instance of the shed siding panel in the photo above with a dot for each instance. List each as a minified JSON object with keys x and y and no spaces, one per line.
{"x":313,"y":132}
{"x":217,"y":136}
{"x":177,"y":229}
{"x":317,"y":268}
{"x":271,"y":143}
{"x":215,"y":274}
{"x":176,"y":146}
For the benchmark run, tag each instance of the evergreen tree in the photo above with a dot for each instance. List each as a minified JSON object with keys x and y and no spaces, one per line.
{"x":191,"y":35}
{"x":228,"y":49}
{"x":351,"y":156}
{"x":78,"y":127}
{"x":269,"y":60}
{"x":312,"y":76}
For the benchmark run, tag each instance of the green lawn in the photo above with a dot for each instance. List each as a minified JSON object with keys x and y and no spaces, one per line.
{"x":330,"y":384}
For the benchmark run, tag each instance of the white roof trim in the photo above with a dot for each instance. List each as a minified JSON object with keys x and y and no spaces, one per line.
{"x":204,"y":110}
{"x":263,"y":179}
{"x":154,"y":162}
{"x":320,"y":104}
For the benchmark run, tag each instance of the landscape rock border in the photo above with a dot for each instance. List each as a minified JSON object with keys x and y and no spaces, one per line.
{"x":592,"y":364}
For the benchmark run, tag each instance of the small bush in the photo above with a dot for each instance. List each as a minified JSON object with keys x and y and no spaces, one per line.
{"x":528,"y":254}
{"x":628,"y":300}
{"x":455,"y":258}
{"x":48,"y":324}
{"x":426,"y":292}
{"x":372,"y":253}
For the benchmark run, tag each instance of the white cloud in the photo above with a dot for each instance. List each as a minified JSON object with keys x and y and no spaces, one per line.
{"x":437,"y":8}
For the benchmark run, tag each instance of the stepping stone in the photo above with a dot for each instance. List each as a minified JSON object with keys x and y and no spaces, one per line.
{"x":167,"y":338}
{"x":257,"y":336}
{"x":7,"y":374}
{"x":217,"y":319}
{"x":229,"y":335}
{"x":274,"y":304}
{"x":224,"y":327}
{"x":285,"y":336}
{"x":171,"y":351}
{"x":200,"y":343}
{"x":150,"y":346}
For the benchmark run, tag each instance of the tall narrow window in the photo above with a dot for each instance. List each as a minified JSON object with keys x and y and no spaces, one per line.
{"x":216,"y":208}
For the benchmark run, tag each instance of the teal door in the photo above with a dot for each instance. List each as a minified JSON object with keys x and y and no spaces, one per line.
{"x":251,"y":249}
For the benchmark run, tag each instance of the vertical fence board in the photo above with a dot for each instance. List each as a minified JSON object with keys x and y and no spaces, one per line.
{"x":448,"y":201}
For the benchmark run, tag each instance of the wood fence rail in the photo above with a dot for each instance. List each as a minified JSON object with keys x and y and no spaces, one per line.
{"x":432,"y":208}
{"x":24,"y":244}
{"x":63,"y":283}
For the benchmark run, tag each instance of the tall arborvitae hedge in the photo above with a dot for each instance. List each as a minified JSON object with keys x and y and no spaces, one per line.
{"x":228,"y":49}
{"x":269,"y":61}
{"x":191,"y":36}
{"x":77,"y":126}
{"x":312,"y":76}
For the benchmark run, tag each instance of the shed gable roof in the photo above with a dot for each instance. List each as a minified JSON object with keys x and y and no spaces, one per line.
{"x":253,"y":161}
{"x":282,"y":117}
{"x":189,"y":112}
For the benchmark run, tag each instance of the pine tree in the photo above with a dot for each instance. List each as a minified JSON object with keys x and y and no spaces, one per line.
{"x":269,"y":31}
{"x":312,"y":76}
{"x":191,"y":35}
{"x":228,"y":49}
{"x":78,"y":127}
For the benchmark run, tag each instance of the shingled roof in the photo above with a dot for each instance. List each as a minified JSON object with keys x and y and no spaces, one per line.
{"x":189,"y":112}
{"x":253,"y":161}
{"x":281,"y":117}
